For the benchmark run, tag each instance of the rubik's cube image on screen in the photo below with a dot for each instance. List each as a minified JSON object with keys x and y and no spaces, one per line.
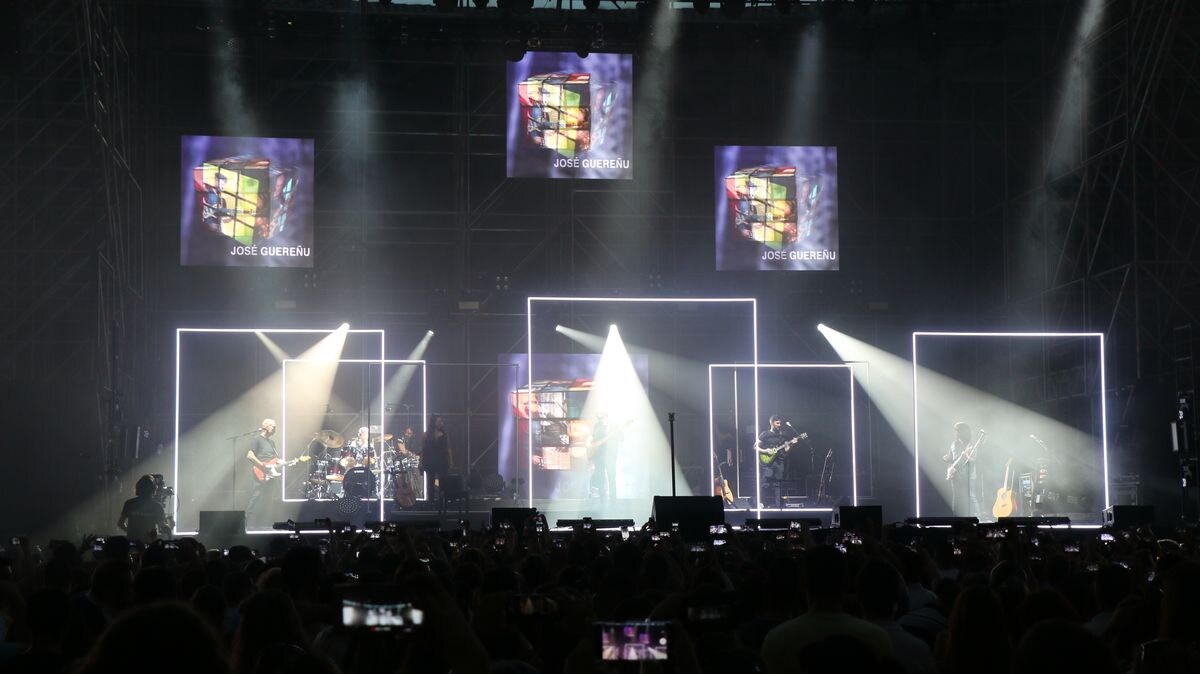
{"x":764,"y":205}
{"x":565,"y":112}
{"x":244,"y":198}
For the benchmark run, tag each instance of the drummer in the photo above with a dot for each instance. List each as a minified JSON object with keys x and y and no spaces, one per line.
{"x":360,"y":451}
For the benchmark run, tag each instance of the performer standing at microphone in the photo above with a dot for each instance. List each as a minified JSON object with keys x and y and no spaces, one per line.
{"x":773,"y":451}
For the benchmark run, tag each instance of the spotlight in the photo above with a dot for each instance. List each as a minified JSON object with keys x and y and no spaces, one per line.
{"x":429,"y":333}
{"x":344,"y":326}
{"x":558,"y":328}
{"x":612,"y":329}
{"x":821,"y":327}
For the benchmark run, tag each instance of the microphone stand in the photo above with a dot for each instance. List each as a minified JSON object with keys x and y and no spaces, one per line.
{"x":233,"y":470}
{"x":671,"y":420}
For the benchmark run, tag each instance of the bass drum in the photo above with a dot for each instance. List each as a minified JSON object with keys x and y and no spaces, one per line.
{"x":358,"y":482}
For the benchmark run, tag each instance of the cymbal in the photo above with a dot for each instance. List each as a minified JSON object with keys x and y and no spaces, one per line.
{"x":330,"y":439}
{"x":385,"y":437}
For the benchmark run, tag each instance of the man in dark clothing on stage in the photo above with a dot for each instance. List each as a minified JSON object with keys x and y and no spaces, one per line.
{"x":262,"y":450}
{"x":436,"y":459}
{"x":142,"y":517}
{"x":771,"y":445}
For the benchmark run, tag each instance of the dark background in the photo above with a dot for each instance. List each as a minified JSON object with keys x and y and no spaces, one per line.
{"x":952,"y":213}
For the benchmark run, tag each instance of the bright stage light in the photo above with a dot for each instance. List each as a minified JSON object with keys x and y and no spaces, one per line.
{"x":612,"y":329}
{"x":344,"y":326}
{"x":429,"y":333}
{"x":821,"y":327}
{"x":558,"y":328}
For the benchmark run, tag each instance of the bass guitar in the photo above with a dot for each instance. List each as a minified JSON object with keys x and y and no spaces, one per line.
{"x":968,"y":454}
{"x":768,"y":456}
{"x":273,"y":466}
{"x":1006,"y":501}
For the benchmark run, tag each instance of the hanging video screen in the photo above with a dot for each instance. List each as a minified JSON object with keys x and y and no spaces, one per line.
{"x":570,"y":117}
{"x":776,"y":208}
{"x":246,"y":202}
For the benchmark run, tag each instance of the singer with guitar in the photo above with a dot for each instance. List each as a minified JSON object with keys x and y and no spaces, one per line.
{"x":604,"y":445}
{"x":773,"y":448}
{"x":261,"y":453}
{"x":962,"y":471}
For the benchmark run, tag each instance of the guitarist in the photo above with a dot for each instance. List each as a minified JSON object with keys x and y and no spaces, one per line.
{"x":606,"y":441}
{"x":772,"y":438}
{"x":964,"y":501}
{"x":262,"y":449}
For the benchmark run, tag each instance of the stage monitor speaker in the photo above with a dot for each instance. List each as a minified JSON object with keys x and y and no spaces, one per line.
{"x":859,"y":519}
{"x":219,"y":527}
{"x":693,"y":514}
{"x":515,"y":517}
{"x":1128,"y":517}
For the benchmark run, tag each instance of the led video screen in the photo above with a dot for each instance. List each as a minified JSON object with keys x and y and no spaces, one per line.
{"x":246,"y":202}
{"x":776,"y":208}
{"x":570,"y":117}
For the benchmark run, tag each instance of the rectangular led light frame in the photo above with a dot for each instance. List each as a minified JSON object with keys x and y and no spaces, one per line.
{"x":1041,"y":335}
{"x":757,"y":467}
{"x":178,"y":341}
{"x":382,"y":404}
{"x":662,"y":300}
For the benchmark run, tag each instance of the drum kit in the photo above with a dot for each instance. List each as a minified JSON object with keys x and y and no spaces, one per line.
{"x":341,"y":469}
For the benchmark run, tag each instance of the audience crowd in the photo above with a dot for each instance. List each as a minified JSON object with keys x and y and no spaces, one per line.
{"x":974,"y":600}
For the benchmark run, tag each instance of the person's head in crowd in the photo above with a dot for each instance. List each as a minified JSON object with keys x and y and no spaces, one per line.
{"x":1058,"y":646}
{"x":47,"y":613}
{"x":158,"y":638}
{"x":12,"y":612}
{"x":209,"y":602}
{"x":881,"y":591}
{"x":116,"y":548}
{"x":268,"y":618}
{"x":302,"y":569}
{"x":1045,"y":605}
{"x":1181,"y":603}
{"x":154,"y":584}
{"x":112,"y":586}
{"x":825,"y":577}
{"x":1111,"y":584}
{"x":977,"y":638}
{"x":237,"y":586}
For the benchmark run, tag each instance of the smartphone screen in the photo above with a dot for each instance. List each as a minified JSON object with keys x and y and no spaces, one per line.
{"x":376,"y":616}
{"x":633,"y":641}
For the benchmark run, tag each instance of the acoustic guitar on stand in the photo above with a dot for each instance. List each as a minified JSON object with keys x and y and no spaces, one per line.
{"x":1006,"y":502}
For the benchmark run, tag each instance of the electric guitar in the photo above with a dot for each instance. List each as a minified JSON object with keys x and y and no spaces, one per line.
{"x":1006,"y":502}
{"x":273,"y":466}
{"x":768,"y":456}
{"x":968,"y":454}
